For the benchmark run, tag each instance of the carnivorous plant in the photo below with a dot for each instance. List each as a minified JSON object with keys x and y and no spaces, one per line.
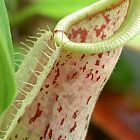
{"x":62,"y":75}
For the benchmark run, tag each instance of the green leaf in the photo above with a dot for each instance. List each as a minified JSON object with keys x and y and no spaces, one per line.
{"x":7,"y":81}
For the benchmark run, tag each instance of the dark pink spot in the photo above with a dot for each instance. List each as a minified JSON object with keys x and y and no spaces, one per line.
{"x":82,"y":32}
{"x":82,"y":56}
{"x":55,"y":31}
{"x":69,"y":56}
{"x":108,"y":53}
{"x":92,"y":76}
{"x":75,"y":114}
{"x":59,"y":138}
{"x":56,"y":98}
{"x":73,"y":128}
{"x":100,"y":30}
{"x":103,"y":36}
{"x":37,"y":114}
{"x":62,"y":121}
{"x":57,"y":64}
{"x":97,"y":63}
{"x":56,"y":76}
{"x":50,"y":134}
{"x":106,"y":17}
{"x":96,"y":71}
{"x":41,"y":89}
{"x":83,"y":68}
{"x":88,"y":99}
{"x":47,"y":86}
{"x":100,"y":55}
{"x":46,"y":130}
{"x":59,"y":109}
{"x":98,"y":78}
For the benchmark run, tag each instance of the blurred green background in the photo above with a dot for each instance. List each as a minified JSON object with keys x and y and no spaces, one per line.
{"x":124,"y":85}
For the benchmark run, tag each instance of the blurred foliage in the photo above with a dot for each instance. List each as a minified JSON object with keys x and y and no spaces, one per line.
{"x":122,"y":77}
{"x":135,"y":43}
{"x":55,"y":9}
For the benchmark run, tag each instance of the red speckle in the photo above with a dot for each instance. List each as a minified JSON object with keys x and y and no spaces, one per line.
{"x":74,"y":63}
{"x":103,"y":26}
{"x":37,"y":114}
{"x":108,"y":53}
{"x":88,"y":75}
{"x":88,"y":99}
{"x":62,"y":64}
{"x":82,"y":56}
{"x":100,"y":30}
{"x":41,"y":89}
{"x":46,"y":130}
{"x":83,"y":68}
{"x":96,"y":71}
{"x":106,"y":17}
{"x":47,"y":86}
{"x":98,"y":78}
{"x":103,"y":36}
{"x":57,"y":64}
{"x":59,"y":138}
{"x":56,"y":98}
{"x":55,"y":31}
{"x":59,"y":109}
{"x":56,"y":76}
{"x":100,"y":55}
{"x":114,"y":23}
{"x":97,"y":63}
{"x":75,"y":114}
{"x":82,"y":32}
{"x":68,"y":56}
{"x":62,"y":121}
{"x":50,"y":134}
{"x":74,"y":75}
{"x":92,"y":76}
{"x":73,"y":128}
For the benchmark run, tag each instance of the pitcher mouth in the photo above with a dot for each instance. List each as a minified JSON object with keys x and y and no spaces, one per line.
{"x":127,"y":30}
